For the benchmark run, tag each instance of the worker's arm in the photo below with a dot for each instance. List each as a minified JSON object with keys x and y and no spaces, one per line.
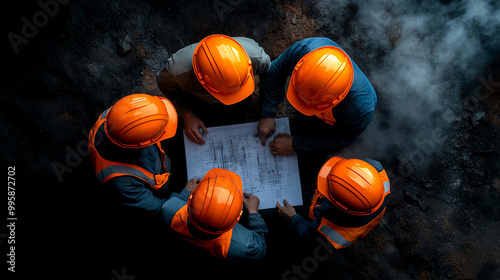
{"x":176,"y":79}
{"x":261,"y":62}
{"x":178,"y":200}
{"x":249,"y":243}
{"x":134,"y":192}
{"x":169,"y":86}
{"x":305,"y":229}
{"x":376,"y":164}
{"x":344,"y":132}
{"x":272,"y":87}
{"x":192,"y":126}
{"x":281,"y":69}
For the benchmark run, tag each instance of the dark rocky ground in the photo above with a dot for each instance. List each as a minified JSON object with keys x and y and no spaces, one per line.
{"x":443,"y":218}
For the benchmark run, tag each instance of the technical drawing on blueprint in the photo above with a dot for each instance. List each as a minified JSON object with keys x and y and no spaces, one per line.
{"x":237,"y":148}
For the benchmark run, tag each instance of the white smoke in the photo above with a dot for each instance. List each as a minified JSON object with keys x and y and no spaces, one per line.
{"x":422,"y":59}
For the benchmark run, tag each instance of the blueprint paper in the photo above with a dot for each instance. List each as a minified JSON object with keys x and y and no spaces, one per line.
{"x":237,"y":148}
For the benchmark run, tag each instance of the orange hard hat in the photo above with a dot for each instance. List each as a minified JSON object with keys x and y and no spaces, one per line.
{"x":215,"y":205}
{"x":140,"y":120}
{"x":320,"y":80}
{"x":223,"y":68}
{"x":353,"y":185}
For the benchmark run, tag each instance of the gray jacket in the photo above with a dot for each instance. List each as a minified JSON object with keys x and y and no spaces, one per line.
{"x":179,"y":83}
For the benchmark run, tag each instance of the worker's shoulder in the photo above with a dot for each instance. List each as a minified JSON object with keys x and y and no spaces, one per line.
{"x":171,"y":207}
{"x":181,"y":62}
{"x":300,"y":48}
{"x":242,"y":234}
{"x":128,"y":184}
{"x":317,"y":42}
{"x":246,"y":243}
{"x":362,"y":95}
{"x":251,"y":47}
{"x":245,"y":41}
{"x":376,"y":164}
{"x":174,"y":203}
{"x":326,"y":41}
{"x":356,"y":106}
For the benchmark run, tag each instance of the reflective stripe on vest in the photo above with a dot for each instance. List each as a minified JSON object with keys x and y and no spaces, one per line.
{"x":104,"y":114}
{"x":342,"y":237}
{"x":107,"y":169}
{"x":331,"y":234}
{"x":218,"y":246}
{"x":109,"y":172}
{"x":387,"y":186}
{"x":385,"y":179}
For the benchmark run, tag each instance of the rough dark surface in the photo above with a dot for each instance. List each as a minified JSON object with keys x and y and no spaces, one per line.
{"x":439,"y":141}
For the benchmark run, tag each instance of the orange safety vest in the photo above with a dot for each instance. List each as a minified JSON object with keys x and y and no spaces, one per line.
{"x":327,"y":117}
{"x":218,"y":246}
{"x":107,"y":169}
{"x":342,"y":237}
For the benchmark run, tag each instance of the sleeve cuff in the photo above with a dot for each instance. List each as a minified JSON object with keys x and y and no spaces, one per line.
{"x":184,"y":195}
{"x":255,"y":221}
{"x":255,"y":218}
{"x":268,"y":112}
{"x":295,"y":219}
{"x":296,"y":143}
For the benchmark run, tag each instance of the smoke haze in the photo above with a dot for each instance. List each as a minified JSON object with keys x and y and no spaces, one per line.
{"x":424,"y":60}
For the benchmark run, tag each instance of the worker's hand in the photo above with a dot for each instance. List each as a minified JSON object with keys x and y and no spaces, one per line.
{"x":251,"y":203}
{"x":191,"y":184}
{"x":192,"y":124}
{"x":281,"y":144}
{"x":287,"y":211}
{"x":266,"y":128}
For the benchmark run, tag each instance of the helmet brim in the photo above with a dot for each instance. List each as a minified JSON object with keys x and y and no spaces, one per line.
{"x":235,"y":96}
{"x":171,"y":126}
{"x":233,"y":176}
{"x":293,"y":97}
{"x":323,"y":186}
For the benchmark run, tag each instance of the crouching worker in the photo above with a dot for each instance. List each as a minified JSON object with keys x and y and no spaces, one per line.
{"x":207,"y":211}
{"x":349,"y":202}
{"x":125,"y":150}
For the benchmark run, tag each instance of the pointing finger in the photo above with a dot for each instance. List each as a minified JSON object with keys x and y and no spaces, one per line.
{"x":263,"y":139}
{"x":191,"y":137}
{"x":286,"y":203}
{"x":198,"y":137}
{"x":204,"y":128}
{"x":278,"y":205}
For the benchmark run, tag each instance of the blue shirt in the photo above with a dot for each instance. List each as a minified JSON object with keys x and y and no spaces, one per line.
{"x":352,"y":114}
{"x":308,"y":229}
{"x":245,"y":243}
